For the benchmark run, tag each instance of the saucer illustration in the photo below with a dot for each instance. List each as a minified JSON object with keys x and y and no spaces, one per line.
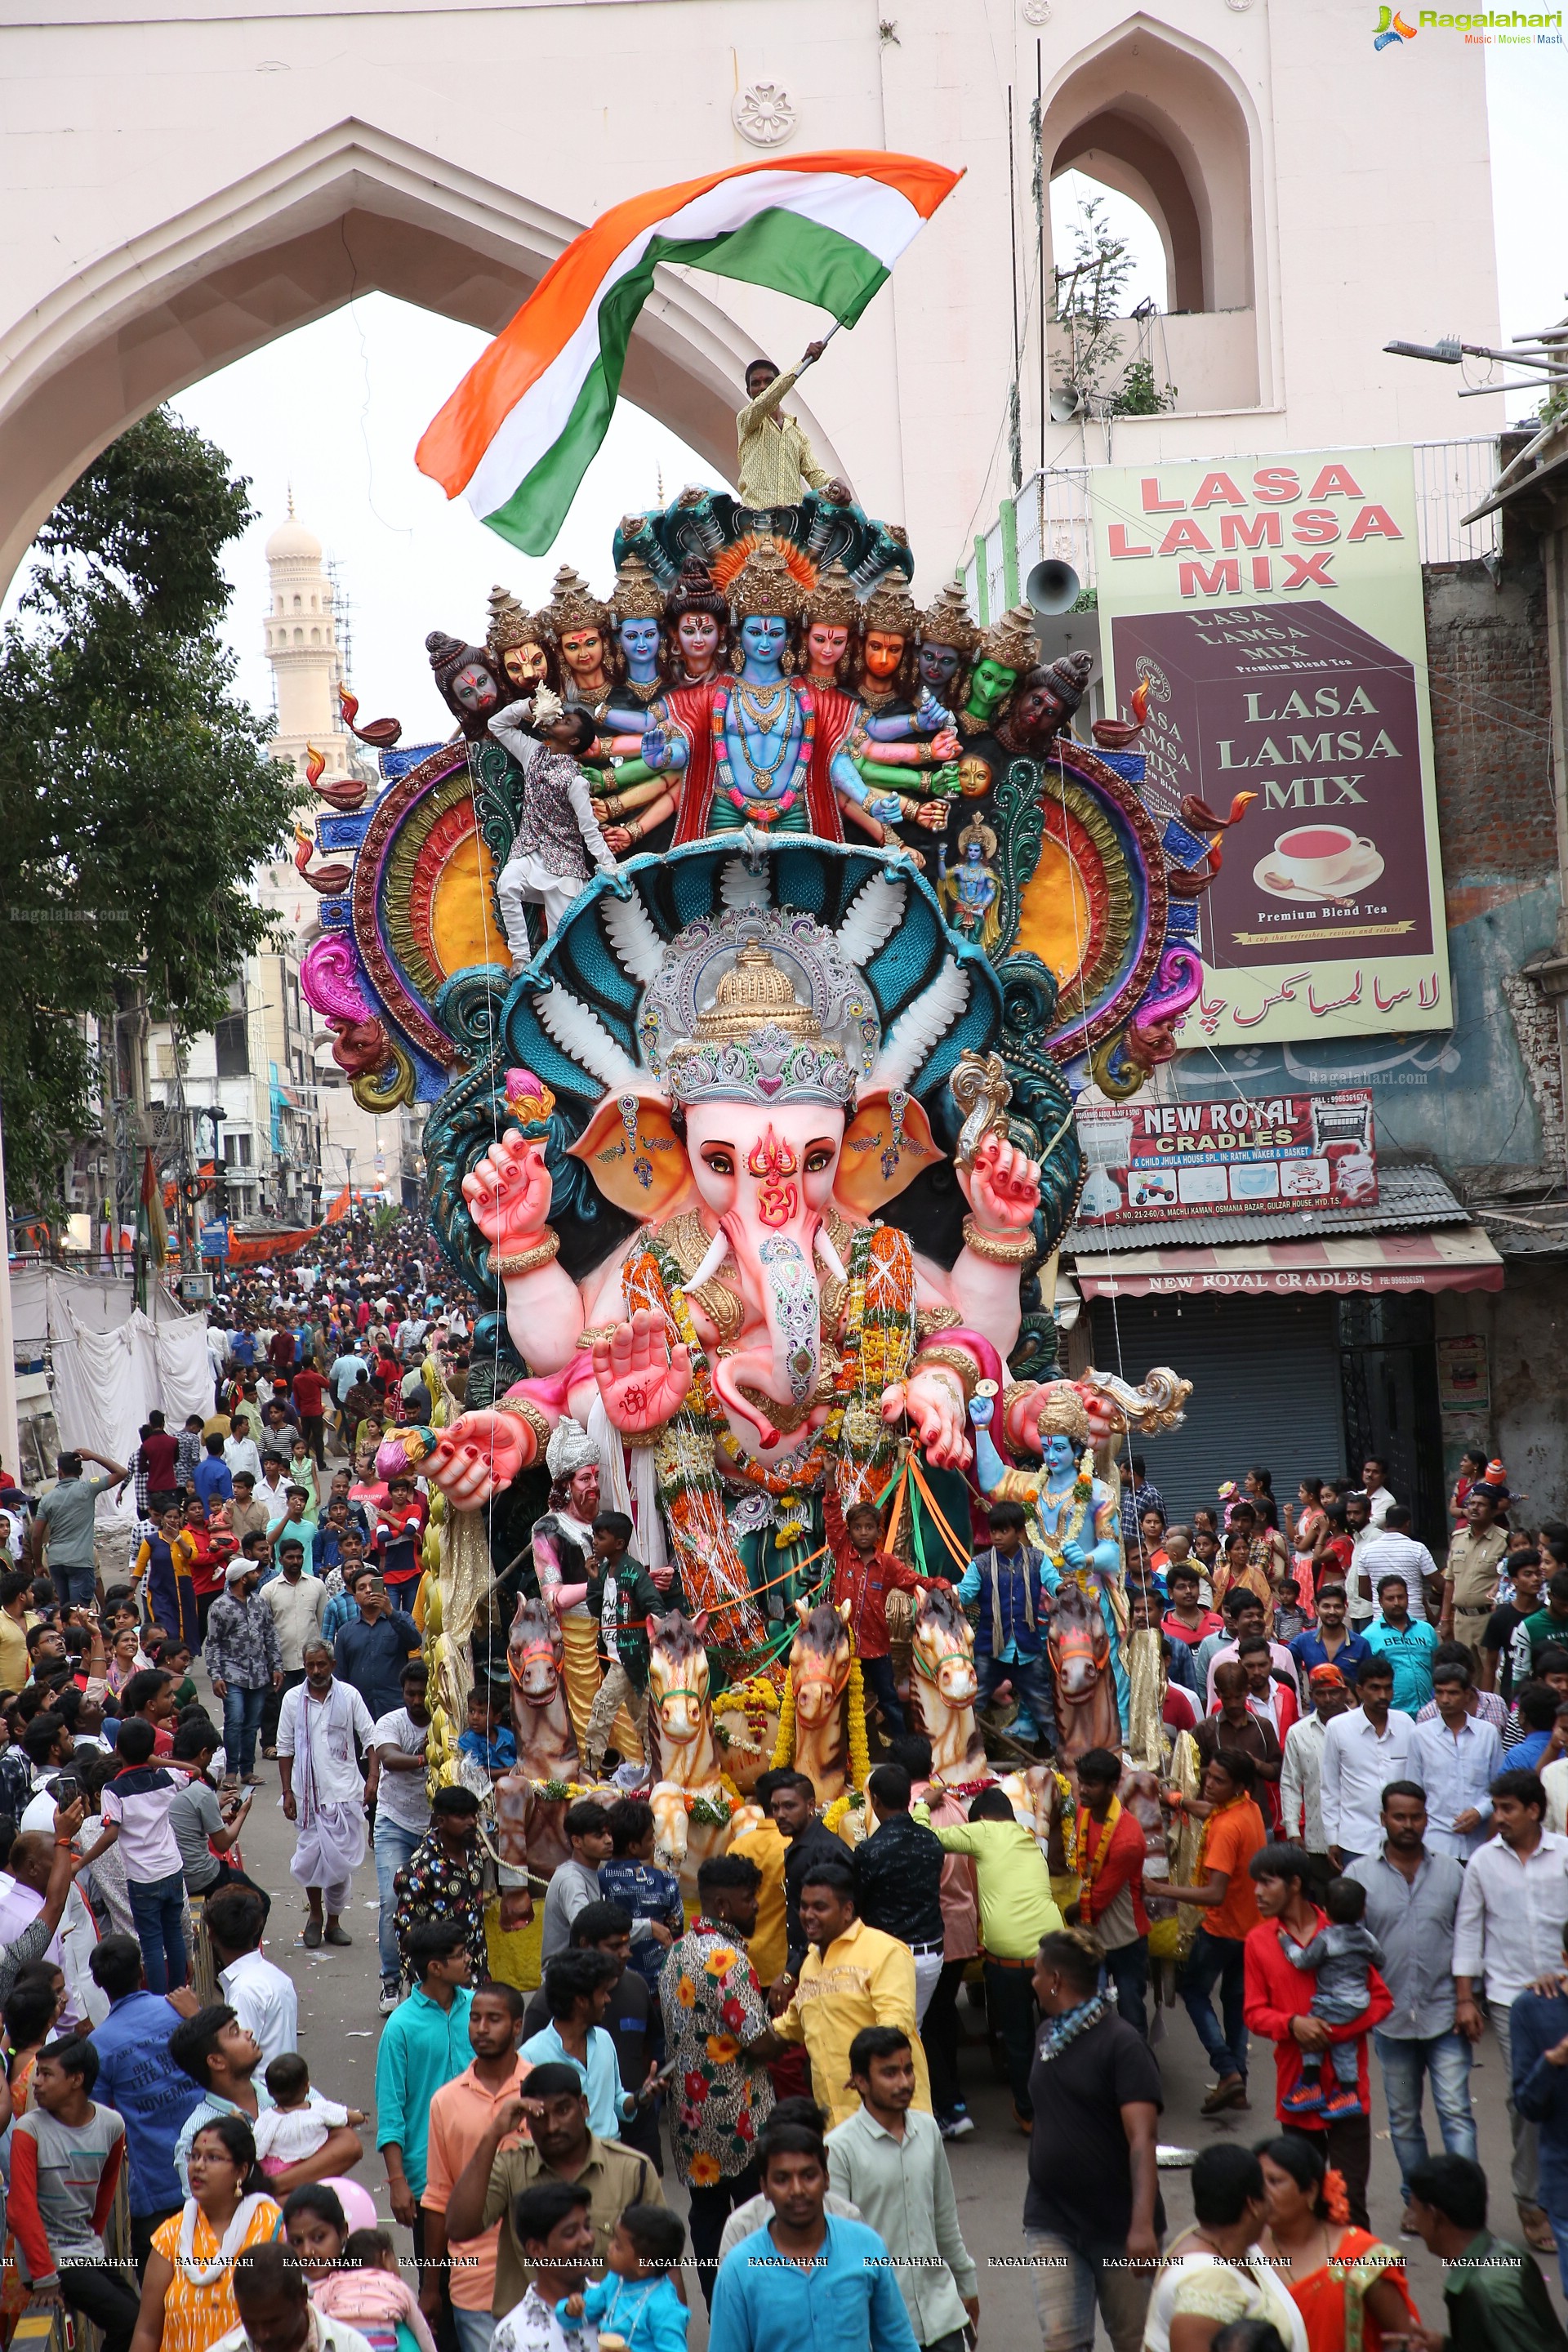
{"x":1268,"y":875}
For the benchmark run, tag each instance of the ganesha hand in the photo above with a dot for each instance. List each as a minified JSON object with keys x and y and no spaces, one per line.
{"x":479,"y":1454}
{"x":508,"y":1193}
{"x":1002,"y":1186}
{"x":933,"y":1404}
{"x":641,"y":1378}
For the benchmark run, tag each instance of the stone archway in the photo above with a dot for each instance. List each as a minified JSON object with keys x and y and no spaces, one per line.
{"x":351,"y":211}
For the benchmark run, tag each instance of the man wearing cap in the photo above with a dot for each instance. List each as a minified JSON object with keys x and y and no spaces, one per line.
{"x":1301,"y":1769}
{"x":244,"y":1661}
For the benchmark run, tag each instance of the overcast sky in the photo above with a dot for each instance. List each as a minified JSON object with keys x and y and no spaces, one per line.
{"x":334,"y":411}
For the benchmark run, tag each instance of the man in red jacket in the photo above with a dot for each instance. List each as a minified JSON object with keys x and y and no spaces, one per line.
{"x":1278,"y":1998}
{"x":310,"y":1393}
{"x":1111,"y":1863}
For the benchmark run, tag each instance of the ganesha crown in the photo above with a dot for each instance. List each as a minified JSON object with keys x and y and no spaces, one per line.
{"x":767,"y":1066}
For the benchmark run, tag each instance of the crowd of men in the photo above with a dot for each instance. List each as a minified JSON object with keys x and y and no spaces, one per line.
{"x":1376,"y":1879}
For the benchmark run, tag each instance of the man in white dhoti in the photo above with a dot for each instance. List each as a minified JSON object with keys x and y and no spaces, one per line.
{"x":321,"y":1724}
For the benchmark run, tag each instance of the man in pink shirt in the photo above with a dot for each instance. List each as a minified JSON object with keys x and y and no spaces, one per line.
{"x":461,"y":2113}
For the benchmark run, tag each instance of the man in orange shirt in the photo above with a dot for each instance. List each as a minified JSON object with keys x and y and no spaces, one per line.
{"x":1232,"y":1832}
{"x":460,"y":2113}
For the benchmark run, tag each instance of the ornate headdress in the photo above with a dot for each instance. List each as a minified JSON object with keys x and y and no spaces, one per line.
{"x":764,"y":584}
{"x":976,"y":831}
{"x":637,"y":596}
{"x":573,"y":605}
{"x":570,"y":1449}
{"x":946,"y":622}
{"x":511,"y":625}
{"x":756,"y":1042}
{"x":1010,"y":641}
{"x":833,"y":600}
{"x":1063,"y":1414}
{"x":890,"y":606}
{"x":694,"y":592}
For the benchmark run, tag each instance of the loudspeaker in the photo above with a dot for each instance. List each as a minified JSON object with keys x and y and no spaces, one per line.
{"x":1053,"y":587}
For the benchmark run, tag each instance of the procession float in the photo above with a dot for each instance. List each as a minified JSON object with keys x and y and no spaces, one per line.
{"x":758,"y":1160}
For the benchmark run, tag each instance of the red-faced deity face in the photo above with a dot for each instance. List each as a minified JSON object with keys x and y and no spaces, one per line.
{"x":698,"y":638}
{"x":884,"y":651}
{"x":526,"y":664}
{"x":825,"y":643}
{"x":474,"y":687}
{"x":582,"y":650}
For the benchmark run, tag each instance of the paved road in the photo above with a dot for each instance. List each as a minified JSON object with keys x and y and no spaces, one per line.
{"x":339,"y":2028}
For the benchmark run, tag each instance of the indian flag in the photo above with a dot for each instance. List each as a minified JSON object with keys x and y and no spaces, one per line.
{"x":518,"y":434}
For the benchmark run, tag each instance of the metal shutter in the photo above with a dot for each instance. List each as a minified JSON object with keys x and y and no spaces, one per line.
{"x":1265,"y":1388}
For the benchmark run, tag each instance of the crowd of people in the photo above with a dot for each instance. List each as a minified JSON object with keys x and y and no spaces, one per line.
{"x":749,"y":2107}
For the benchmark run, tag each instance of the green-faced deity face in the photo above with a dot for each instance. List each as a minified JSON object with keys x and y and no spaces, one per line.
{"x":989,"y":688}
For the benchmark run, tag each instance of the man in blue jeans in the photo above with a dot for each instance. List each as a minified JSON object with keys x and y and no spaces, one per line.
{"x":136,"y":1809}
{"x":1540,"y":2053}
{"x":1411,"y":1896}
{"x":398,"y":1785}
{"x":1233,"y":1833}
{"x":244,"y":1661}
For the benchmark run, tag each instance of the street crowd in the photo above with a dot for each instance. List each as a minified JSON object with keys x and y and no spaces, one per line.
{"x":749,"y":2107}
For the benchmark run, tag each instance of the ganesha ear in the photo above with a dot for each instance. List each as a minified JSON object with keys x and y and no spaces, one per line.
{"x":886,"y":1145}
{"x":634,"y":1155}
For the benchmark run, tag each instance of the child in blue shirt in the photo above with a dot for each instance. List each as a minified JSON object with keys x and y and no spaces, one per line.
{"x":637,"y":2298}
{"x":486,"y":1741}
{"x":631,"y":1879}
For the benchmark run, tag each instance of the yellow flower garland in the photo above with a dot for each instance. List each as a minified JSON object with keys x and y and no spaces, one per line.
{"x":859,"y":1747}
{"x":784,"y":1746}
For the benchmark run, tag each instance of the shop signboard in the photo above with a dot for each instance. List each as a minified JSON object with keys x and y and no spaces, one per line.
{"x":1153,"y":1162}
{"x":1274,"y":611}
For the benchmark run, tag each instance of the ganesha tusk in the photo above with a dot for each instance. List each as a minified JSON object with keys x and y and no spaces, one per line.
{"x":718,"y":1250}
{"x":829,"y":1255}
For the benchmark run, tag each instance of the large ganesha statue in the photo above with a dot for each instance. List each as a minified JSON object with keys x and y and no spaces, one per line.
{"x":720,"y":1072}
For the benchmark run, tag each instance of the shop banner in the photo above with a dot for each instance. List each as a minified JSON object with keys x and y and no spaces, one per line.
{"x":1158,"y":1161}
{"x":1274,"y":609}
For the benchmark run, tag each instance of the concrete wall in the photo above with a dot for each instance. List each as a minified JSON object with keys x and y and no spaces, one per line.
{"x":1523,"y":1326}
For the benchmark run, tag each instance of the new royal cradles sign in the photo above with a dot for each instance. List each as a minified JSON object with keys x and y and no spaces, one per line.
{"x":1274,"y":607}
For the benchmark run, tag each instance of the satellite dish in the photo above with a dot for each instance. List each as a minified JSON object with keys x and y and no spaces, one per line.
{"x":1064,"y":407}
{"x":1053,"y":587}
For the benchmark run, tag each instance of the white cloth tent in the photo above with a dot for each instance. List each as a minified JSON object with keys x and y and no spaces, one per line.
{"x":109,"y":1364}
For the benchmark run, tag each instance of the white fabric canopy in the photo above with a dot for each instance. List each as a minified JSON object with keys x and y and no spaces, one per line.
{"x":109,"y":1367}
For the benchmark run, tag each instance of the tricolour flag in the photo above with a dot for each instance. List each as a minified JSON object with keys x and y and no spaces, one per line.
{"x":518,"y":434}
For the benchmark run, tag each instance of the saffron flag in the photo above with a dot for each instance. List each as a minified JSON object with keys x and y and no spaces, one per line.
{"x":519,"y":432}
{"x":152,"y":1233}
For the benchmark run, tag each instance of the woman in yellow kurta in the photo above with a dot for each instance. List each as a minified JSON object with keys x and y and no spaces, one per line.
{"x":187,"y":2300}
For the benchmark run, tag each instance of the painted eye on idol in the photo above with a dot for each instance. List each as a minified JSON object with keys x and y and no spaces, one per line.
{"x":721,"y":1162}
{"x":819,"y":1156}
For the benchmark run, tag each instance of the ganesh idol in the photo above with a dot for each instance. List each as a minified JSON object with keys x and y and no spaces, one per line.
{"x":765,"y":748}
{"x":760,"y":1329}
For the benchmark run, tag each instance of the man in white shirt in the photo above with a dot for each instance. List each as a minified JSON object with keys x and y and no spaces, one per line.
{"x":1374,"y":1476}
{"x":239,"y":1451}
{"x":1301,"y":1768}
{"x":261,"y":1996}
{"x":1362,"y":1750}
{"x":1509,"y":1929}
{"x":1390,"y":1550}
{"x":321,"y":1723}
{"x":1456,"y":1756}
{"x":402,"y":1810}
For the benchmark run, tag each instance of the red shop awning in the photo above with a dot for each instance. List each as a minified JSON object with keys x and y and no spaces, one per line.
{"x":1458,"y":1257}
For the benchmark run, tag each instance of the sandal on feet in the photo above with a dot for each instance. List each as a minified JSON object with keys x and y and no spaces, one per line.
{"x":336,"y":1935}
{"x":312,"y":1935}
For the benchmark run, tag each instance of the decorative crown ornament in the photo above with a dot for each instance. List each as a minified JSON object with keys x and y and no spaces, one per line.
{"x":511,"y":625}
{"x":1011,"y":642}
{"x":890,"y":608}
{"x":946,"y":622}
{"x":637,"y":596}
{"x":572,"y":603}
{"x":757,"y":1041}
{"x":1063,"y":1414}
{"x":764,"y":584}
{"x":833,"y":602}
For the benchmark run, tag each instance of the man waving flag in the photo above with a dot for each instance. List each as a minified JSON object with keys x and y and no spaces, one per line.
{"x":519,"y":432}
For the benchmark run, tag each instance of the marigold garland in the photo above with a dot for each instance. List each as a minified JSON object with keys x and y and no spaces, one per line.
{"x":855,"y":1702}
{"x":784,"y":1746}
{"x":851,"y":1801}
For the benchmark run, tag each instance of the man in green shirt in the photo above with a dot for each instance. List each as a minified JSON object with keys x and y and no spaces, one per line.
{"x":1015,"y":1910}
{"x":1494,"y":2296}
{"x":423,"y":2045}
{"x":66,"y":1520}
{"x":1548,"y":1629}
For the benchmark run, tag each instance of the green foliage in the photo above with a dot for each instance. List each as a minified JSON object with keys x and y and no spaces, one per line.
{"x":1092,"y":286}
{"x":1138,"y":394}
{"x":136,"y":795}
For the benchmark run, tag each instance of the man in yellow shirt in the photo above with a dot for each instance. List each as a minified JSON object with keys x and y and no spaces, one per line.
{"x":776,"y":458}
{"x":853,"y":1976}
{"x":768,"y":1945}
{"x":1016,"y":1911}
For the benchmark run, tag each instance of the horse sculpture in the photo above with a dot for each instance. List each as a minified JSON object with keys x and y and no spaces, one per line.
{"x":820,"y":1660}
{"x":529,"y":1831}
{"x":1079,"y":1648}
{"x":943,"y":1687}
{"x":696,"y":1808}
